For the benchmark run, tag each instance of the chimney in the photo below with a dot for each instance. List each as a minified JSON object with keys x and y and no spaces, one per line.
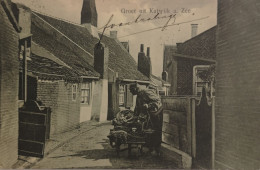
{"x":141,"y":59}
{"x":144,"y":62}
{"x":194,"y":30}
{"x":113,"y":34}
{"x":101,"y":55}
{"x":148,"y":52}
{"x":89,"y":13}
{"x":148,"y":66}
{"x":142,"y":48}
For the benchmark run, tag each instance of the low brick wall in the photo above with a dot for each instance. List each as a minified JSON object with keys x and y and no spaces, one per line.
{"x":58,"y":96}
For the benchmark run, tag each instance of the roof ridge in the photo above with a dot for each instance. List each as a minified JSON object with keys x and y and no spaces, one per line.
{"x":63,"y":34}
{"x":61,"y":19}
{"x":64,"y":20}
{"x":50,"y":22}
{"x":33,"y":12}
{"x":213,"y":27}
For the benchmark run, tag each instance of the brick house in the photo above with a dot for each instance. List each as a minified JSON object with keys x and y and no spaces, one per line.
{"x":60,"y":87}
{"x":162,"y":86}
{"x":55,"y":82}
{"x":183,"y":61}
{"x":9,"y":78}
{"x":57,"y":86}
{"x":116,"y":66}
{"x":237,"y":85}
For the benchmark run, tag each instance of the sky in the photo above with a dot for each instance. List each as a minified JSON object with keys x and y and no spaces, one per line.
{"x":187,"y":12}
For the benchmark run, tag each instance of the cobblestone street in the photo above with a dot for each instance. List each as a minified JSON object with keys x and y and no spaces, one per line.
{"x":92,"y":150}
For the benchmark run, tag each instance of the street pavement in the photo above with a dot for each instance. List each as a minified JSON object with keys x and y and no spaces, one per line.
{"x":91,"y":149}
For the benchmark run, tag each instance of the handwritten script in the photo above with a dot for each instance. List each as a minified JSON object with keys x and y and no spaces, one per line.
{"x":139,"y":19}
{"x":170,"y":21}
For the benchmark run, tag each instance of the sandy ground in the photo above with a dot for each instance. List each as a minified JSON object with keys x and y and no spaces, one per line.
{"x":91,"y":149}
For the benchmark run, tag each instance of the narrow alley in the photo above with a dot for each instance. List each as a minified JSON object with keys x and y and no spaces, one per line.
{"x":91,"y":149}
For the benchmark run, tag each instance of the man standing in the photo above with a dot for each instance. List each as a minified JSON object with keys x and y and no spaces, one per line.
{"x":148,"y":101}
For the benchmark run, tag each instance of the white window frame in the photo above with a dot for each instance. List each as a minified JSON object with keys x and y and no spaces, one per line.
{"x":196,"y":78}
{"x":86,"y":88}
{"x":74,"y":89}
{"x":121,"y":95}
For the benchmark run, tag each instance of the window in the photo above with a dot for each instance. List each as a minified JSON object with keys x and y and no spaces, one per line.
{"x":85,"y":93}
{"x":74,"y":92}
{"x":121,"y":95}
{"x":198,"y":83}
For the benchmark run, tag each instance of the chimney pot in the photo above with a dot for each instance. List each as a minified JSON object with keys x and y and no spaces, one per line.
{"x":142,"y":48}
{"x":113,"y":34}
{"x":194,"y":30}
{"x":148,"y":51}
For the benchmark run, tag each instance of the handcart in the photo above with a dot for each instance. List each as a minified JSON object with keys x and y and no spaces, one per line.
{"x":132,"y":130}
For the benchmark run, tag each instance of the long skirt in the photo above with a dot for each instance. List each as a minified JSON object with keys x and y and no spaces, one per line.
{"x":155,"y":139}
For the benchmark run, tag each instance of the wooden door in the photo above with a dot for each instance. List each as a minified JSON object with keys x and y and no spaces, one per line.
{"x":32,"y":133}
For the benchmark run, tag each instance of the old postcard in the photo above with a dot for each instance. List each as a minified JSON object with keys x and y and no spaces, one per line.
{"x":129,"y":84}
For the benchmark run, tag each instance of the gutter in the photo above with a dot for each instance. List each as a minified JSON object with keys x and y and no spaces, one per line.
{"x":138,"y":81}
{"x":168,"y":85}
{"x":88,"y":77}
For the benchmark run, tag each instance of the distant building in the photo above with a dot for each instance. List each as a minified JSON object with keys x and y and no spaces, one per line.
{"x":162,"y":86}
{"x":182,"y":62}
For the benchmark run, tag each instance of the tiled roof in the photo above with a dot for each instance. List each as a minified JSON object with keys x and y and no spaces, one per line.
{"x":201,"y":46}
{"x":46,"y":37}
{"x":47,"y":69}
{"x":119,"y":59}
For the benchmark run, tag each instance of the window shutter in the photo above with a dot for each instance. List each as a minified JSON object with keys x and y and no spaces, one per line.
{"x":129,"y":97}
